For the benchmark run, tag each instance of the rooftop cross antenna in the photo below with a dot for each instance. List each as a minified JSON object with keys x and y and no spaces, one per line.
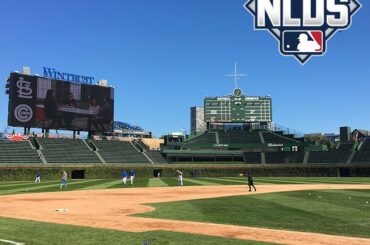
{"x":236,"y":76}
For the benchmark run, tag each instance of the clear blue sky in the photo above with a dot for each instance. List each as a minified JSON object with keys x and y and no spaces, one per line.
{"x":165,"y":56}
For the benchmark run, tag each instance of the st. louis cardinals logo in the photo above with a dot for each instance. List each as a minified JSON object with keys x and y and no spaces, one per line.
{"x":302,"y":27}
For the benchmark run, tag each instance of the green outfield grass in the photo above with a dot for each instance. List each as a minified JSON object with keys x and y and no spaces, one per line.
{"x":333,"y":213}
{"x":17,"y":187}
{"x":30,"y":232}
{"x":342,"y":212}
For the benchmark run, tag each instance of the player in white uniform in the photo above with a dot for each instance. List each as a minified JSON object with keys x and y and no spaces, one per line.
{"x":63,"y":180}
{"x":124,"y":177}
{"x":132,"y":176}
{"x":179,"y":177}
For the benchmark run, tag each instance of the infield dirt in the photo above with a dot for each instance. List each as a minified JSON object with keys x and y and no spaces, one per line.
{"x":111,"y":209}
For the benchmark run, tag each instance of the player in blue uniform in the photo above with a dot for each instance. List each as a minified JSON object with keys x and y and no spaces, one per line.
{"x":38,"y":177}
{"x":132,"y":176}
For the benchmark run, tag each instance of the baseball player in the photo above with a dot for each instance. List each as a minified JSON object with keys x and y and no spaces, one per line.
{"x":63,"y":180}
{"x":179,"y":177}
{"x":132,"y":176}
{"x":250,"y":181}
{"x":38,"y":177}
{"x":124,"y":176}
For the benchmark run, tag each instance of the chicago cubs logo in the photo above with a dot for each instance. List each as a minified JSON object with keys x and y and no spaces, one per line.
{"x":302,"y":27}
{"x":23,"y":113}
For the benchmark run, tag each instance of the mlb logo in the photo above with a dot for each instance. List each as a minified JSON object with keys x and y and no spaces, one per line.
{"x":303,"y":42}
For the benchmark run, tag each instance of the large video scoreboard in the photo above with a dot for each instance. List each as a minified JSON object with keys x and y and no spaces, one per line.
{"x":40,"y":102}
{"x":237,"y":108}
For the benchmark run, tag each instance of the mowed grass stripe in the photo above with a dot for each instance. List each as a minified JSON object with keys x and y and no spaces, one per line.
{"x":31,"y":232}
{"x":137,"y":183}
{"x":256,"y":181}
{"x":29,"y":185}
{"x":174,"y":182}
{"x":333,"y":180}
{"x":330,"y":205}
{"x":156,"y":182}
{"x":104,"y":185}
{"x":303,"y":180}
{"x":272,"y":181}
{"x":18,"y":185}
{"x":201,"y":182}
{"x":14,"y":182}
{"x":37,"y":187}
{"x":282,"y":181}
{"x":242,"y":181}
{"x":237,"y":182}
{"x":316,"y":202}
{"x":299,"y":210}
{"x":223,"y":181}
{"x":352,"y":193}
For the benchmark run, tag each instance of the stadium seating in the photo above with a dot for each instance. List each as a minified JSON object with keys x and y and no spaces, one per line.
{"x":284,"y":157}
{"x":339,"y":155}
{"x":345,"y":146}
{"x":67,"y":151}
{"x":156,"y":156}
{"x":335,"y":156}
{"x":119,"y":152}
{"x":252,"y":157}
{"x":18,"y":152}
{"x":239,"y":137}
{"x":271,"y":137}
{"x":363,"y":156}
{"x":206,"y":138}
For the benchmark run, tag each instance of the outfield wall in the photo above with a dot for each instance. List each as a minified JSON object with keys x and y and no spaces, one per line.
{"x":189,"y":170}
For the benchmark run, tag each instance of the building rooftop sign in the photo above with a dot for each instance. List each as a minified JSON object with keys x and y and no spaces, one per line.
{"x":57,"y":75}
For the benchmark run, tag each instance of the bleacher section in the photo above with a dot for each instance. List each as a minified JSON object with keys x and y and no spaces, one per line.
{"x":274,"y":138}
{"x":67,"y":151}
{"x":335,"y":156}
{"x":345,"y":146}
{"x":284,"y":157}
{"x":18,"y":152}
{"x":206,"y":138}
{"x":363,"y":156}
{"x":252,"y":157}
{"x":239,"y":137}
{"x":119,"y":152}
{"x":156,"y":156}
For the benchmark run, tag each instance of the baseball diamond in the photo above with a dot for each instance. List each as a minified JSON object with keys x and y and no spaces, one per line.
{"x":178,"y":123}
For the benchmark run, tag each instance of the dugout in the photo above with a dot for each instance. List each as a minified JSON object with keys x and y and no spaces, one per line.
{"x":78,"y":174}
{"x":158,"y":171}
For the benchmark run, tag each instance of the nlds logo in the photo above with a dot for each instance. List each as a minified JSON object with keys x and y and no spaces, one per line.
{"x":302,"y":27}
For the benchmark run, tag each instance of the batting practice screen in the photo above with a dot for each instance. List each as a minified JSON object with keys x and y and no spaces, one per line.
{"x":39,"y":102}
{"x":239,"y":109}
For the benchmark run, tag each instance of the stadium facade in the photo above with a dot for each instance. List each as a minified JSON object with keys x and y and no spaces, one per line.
{"x":239,"y":129}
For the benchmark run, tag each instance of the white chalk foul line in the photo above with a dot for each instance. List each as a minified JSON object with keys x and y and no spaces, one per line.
{"x":11,"y":242}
